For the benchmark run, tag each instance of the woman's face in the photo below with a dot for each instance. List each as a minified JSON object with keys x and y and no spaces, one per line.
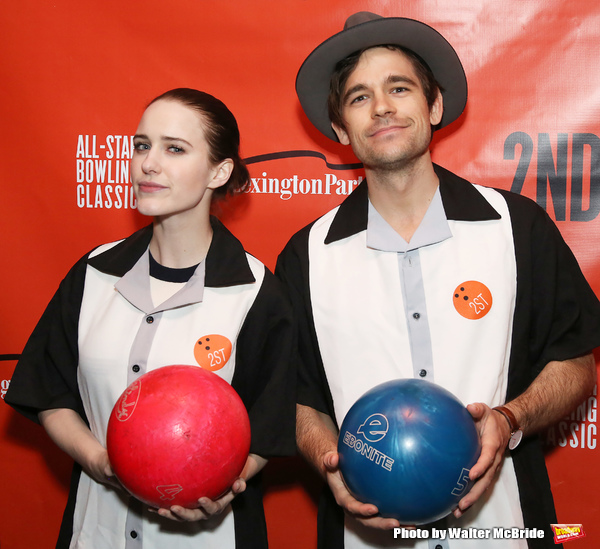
{"x":170,"y":167}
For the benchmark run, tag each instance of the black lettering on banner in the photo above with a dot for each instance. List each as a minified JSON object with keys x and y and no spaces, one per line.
{"x":581,"y":143}
{"x":552,"y":172}
{"x":523,"y":139}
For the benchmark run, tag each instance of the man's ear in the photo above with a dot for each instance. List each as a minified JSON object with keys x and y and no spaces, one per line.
{"x":341,"y":134}
{"x":221,"y":174}
{"x":437,"y":110}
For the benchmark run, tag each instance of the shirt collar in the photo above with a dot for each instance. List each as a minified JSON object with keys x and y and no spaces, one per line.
{"x":135,"y":287}
{"x":432,"y":229}
{"x":226,"y":262}
{"x":461,"y":202}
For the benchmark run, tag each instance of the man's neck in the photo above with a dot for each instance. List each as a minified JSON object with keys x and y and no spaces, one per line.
{"x":402,"y":197}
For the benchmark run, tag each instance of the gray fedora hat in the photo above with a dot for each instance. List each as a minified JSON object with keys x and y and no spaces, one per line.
{"x":363,"y":30}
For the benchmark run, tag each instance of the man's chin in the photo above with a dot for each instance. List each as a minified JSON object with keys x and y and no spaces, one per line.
{"x":398,"y":161}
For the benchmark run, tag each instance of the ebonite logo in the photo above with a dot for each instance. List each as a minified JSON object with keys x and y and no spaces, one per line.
{"x":128,"y":401}
{"x":373,"y":429}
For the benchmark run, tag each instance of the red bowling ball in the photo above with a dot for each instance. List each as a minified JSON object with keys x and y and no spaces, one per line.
{"x":177,"y":434}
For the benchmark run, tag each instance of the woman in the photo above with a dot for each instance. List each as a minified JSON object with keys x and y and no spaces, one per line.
{"x":145,"y":302}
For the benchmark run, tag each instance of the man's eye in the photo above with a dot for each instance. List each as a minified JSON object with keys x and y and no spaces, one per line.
{"x":358,"y":99}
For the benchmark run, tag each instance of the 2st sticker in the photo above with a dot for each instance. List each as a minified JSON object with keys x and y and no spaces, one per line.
{"x":212,"y":351}
{"x":472,"y":299}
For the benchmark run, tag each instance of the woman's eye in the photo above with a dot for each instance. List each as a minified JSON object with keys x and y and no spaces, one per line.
{"x":175,"y":149}
{"x":140,"y":146}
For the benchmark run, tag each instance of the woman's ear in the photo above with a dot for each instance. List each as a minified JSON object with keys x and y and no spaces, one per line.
{"x":221,"y":174}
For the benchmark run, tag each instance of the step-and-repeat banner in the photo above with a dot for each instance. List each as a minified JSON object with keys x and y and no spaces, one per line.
{"x":76,"y":77}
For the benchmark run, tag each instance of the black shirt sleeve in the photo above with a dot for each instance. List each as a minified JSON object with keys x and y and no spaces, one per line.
{"x":293,"y":270}
{"x":557,"y":315}
{"x":46,"y":374}
{"x":265,"y":373}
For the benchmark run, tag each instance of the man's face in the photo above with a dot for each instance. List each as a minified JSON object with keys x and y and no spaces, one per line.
{"x":387,"y":119}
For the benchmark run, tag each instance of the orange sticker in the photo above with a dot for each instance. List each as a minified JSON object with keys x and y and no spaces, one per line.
{"x":472,"y":300}
{"x":212,"y":351}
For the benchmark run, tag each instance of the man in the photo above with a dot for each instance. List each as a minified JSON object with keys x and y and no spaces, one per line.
{"x":419,"y":273}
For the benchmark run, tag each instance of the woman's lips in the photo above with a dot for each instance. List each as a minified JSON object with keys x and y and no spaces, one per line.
{"x":150,"y":187}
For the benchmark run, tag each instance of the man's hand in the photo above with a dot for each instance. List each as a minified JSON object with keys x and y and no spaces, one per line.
{"x":317,"y":436}
{"x":494,"y":434}
{"x":558,"y":388}
{"x":363,"y":512}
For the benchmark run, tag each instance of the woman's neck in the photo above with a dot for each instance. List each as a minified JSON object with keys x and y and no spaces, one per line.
{"x":178,"y":242}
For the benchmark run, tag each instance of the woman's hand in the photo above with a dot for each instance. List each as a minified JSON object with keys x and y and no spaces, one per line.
{"x":208,"y":508}
{"x":70,"y":433}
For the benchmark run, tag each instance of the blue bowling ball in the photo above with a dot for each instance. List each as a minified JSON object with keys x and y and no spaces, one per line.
{"x":407,"y":446}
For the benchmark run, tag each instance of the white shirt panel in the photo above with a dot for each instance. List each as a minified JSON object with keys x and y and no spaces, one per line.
{"x":470,"y":359}
{"x":350,"y":282}
{"x":102,"y":376}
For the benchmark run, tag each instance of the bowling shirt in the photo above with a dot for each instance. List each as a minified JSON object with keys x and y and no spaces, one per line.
{"x":102,"y":330}
{"x":482,"y":298}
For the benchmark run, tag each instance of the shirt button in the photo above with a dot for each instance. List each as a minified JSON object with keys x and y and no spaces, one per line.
{"x":438,"y":546}
{"x":149,"y":319}
{"x":134,"y":534}
{"x":416,"y":316}
{"x":423,"y":373}
{"x":135,"y":368}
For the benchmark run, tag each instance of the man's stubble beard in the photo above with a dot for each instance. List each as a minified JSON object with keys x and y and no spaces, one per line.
{"x":399,"y":160}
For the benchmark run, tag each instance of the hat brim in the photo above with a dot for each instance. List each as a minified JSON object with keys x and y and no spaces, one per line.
{"x":313,"y":80}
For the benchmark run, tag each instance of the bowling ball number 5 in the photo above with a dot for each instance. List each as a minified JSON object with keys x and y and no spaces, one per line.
{"x":462,"y":483}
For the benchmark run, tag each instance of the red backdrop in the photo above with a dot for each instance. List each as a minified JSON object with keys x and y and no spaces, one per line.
{"x":76,"y":77}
